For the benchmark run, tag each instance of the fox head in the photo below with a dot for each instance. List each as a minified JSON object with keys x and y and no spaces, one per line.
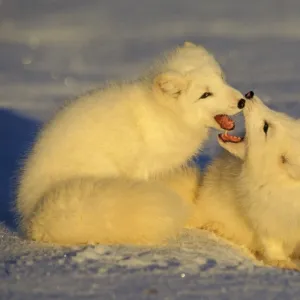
{"x":271,"y":145}
{"x":192,"y":81}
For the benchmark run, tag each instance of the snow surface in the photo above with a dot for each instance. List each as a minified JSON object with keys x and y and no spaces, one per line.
{"x":51,"y":51}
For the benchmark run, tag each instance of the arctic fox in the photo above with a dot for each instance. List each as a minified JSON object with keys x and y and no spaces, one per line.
{"x":251,"y":196}
{"x":103,"y":170}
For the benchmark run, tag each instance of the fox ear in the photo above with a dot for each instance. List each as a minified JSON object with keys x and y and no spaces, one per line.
{"x":171,"y":83}
{"x":189,"y":44}
{"x":236,"y":149}
{"x":291,"y":166}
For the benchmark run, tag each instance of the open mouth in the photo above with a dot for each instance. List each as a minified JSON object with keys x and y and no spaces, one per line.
{"x":228,"y":138}
{"x":225,"y":122}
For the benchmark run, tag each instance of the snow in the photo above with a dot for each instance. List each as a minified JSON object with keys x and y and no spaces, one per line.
{"x":51,"y":51}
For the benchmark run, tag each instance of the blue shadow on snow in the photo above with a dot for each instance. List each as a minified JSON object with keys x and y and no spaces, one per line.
{"x":17,"y":134}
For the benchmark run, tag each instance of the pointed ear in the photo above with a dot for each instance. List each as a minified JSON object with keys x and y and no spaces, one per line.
{"x":171,"y":83}
{"x":189,"y":44}
{"x":292,"y":166}
{"x":236,"y":149}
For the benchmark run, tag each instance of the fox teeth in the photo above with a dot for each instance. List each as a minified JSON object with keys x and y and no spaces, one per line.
{"x":226,"y":132}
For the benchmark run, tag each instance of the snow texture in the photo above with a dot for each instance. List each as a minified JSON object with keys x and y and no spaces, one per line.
{"x":51,"y":51}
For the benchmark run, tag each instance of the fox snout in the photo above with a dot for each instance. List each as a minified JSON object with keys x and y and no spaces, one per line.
{"x":252,"y":101}
{"x":241,"y":103}
{"x":249,"y":95}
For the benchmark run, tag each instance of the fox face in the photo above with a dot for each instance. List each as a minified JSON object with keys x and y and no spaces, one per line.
{"x":270,"y":147}
{"x":196,"y":85}
{"x":208,"y":94}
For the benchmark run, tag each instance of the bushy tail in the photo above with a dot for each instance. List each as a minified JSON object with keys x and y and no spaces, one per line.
{"x":110,"y":211}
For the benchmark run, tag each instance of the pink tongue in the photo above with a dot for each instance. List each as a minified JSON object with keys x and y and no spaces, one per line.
{"x":225,"y":137}
{"x":225,"y":122}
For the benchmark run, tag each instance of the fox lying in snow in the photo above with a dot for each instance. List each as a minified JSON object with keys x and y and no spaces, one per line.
{"x":105,"y":168}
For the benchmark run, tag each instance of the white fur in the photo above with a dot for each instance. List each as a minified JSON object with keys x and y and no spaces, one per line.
{"x":96,"y":171}
{"x":253,"y":197}
{"x":217,"y":208}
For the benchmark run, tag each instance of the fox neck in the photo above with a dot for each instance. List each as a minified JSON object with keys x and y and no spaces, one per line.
{"x":179,"y":142}
{"x":169,"y":140}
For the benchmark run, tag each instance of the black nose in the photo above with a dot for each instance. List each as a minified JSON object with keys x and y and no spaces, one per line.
{"x":241,"y":103}
{"x":249,"y":95}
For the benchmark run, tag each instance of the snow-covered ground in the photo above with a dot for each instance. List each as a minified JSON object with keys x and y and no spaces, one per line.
{"x":51,"y":51}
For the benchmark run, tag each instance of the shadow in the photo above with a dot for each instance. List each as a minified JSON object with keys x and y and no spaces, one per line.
{"x":202,"y":161}
{"x":17,"y":133}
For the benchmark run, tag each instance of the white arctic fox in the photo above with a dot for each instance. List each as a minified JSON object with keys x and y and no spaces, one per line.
{"x":101,"y":170}
{"x":253,"y":196}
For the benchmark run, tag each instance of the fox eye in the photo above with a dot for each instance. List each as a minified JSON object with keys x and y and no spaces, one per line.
{"x":266,"y":127}
{"x":205,"y":95}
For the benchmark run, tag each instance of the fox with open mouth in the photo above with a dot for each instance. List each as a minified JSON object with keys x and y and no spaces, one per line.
{"x":250,"y":193}
{"x":102,"y":170}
